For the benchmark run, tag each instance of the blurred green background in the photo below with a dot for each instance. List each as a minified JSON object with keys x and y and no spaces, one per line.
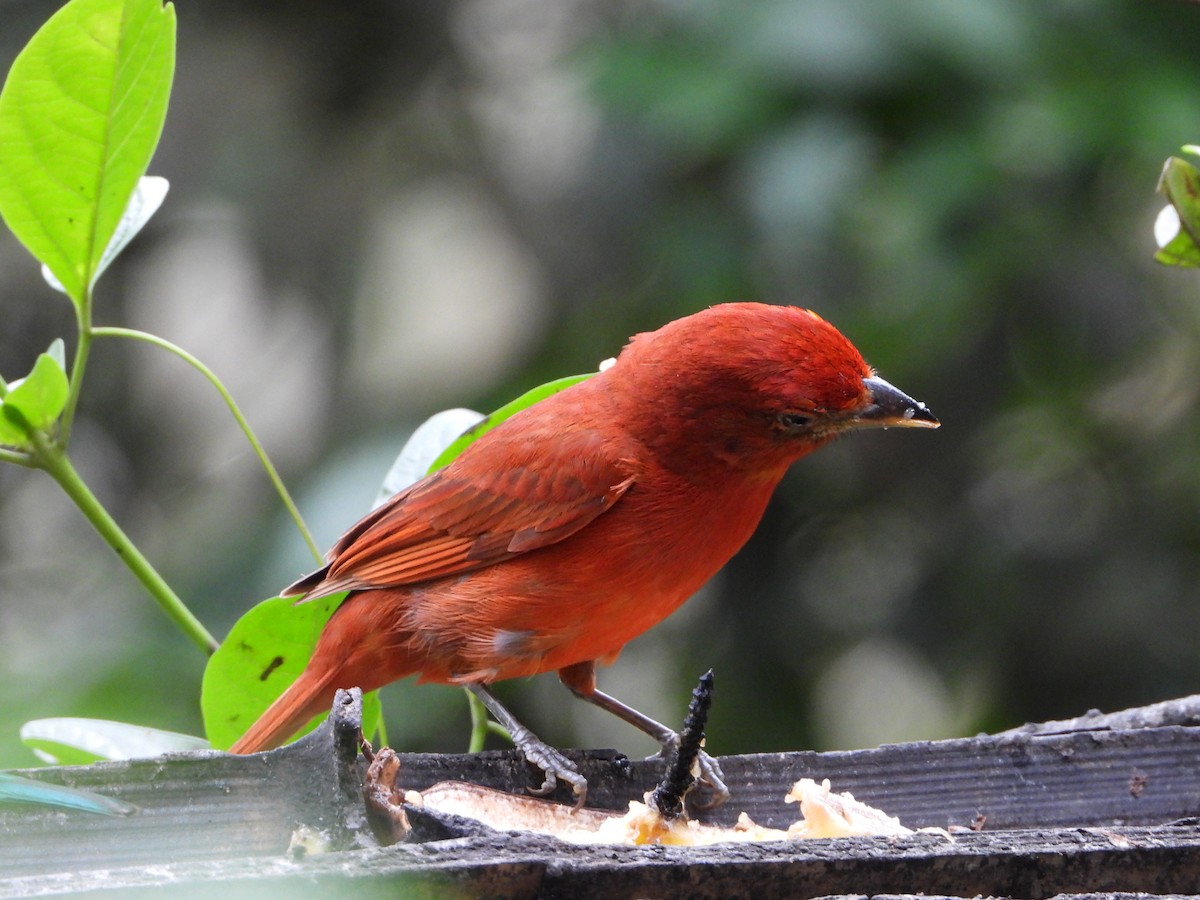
{"x":382,"y":209}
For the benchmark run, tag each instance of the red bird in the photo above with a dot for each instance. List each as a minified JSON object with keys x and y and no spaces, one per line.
{"x":585,"y":519}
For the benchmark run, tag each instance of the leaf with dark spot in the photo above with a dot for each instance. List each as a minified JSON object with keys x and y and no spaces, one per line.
{"x":271,"y":667}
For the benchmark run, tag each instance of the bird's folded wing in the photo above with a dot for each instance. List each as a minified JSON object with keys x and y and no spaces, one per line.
{"x":473,"y":515}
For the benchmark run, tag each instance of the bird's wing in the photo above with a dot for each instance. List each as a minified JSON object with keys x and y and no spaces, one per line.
{"x":475,"y":514}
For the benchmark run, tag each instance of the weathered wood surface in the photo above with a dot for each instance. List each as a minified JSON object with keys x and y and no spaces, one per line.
{"x":1035,"y":863}
{"x":1061,"y":812}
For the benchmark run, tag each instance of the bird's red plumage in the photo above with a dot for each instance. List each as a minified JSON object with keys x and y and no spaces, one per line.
{"x":584,"y":520}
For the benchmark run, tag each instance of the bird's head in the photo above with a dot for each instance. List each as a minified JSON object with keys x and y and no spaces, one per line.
{"x":758,"y":386}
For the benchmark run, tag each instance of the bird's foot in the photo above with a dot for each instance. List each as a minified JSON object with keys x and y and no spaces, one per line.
{"x":713,"y":779}
{"x":554,"y":765}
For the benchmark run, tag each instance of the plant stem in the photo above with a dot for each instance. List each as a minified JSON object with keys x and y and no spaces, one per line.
{"x":381,"y":731}
{"x":83,"y":315}
{"x":54,"y":461}
{"x":204,"y":370}
{"x":17,"y":457}
{"x":481,"y":724}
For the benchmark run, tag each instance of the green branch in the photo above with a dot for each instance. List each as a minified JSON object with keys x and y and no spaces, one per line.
{"x":481,"y":725}
{"x":54,"y":461}
{"x":83,"y":315}
{"x":17,"y":457}
{"x":204,"y":370}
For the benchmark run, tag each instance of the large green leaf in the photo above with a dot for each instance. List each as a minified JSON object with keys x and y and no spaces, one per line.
{"x":266,"y":651}
{"x":80,"y":115}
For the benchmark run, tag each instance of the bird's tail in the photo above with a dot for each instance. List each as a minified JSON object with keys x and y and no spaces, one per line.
{"x":307,"y":696}
{"x":360,"y":646}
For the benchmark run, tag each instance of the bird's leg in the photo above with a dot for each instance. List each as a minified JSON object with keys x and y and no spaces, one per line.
{"x":581,"y":680}
{"x":553,"y":764}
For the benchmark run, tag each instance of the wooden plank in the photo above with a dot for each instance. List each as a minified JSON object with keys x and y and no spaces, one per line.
{"x":1033,"y":863}
{"x":1147,"y":776}
{"x":195,"y":806}
{"x":211,"y":813}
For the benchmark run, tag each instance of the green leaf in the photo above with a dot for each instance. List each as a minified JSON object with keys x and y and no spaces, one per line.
{"x":35,"y":401}
{"x":80,"y":115}
{"x":12,"y":430}
{"x":1178,"y":227}
{"x":79,"y":742}
{"x":266,"y":651}
{"x":18,"y":789}
{"x":147,"y":197}
{"x":41,"y":396}
{"x":488,"y":422}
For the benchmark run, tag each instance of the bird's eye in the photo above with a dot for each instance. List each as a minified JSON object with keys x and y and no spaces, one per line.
{"x":794,"y":421}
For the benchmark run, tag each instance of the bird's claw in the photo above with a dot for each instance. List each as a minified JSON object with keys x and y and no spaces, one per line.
{"x":556,"y":767}
{"x":713,"y":779}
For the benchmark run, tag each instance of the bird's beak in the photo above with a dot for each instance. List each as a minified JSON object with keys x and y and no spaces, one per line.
{"x":890,"y":407}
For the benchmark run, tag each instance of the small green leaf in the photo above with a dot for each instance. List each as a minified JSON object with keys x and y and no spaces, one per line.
{"x":488,"y":422}
{"x":18,"y":789}
{"x":80,"y":115}
{"x":13,"y":432}
{"x":40,"y":396}
{"x":79,"y":742}
{"x":266,"y":651}
{"x":1177,"y":230}
{"x":35,"y":401}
